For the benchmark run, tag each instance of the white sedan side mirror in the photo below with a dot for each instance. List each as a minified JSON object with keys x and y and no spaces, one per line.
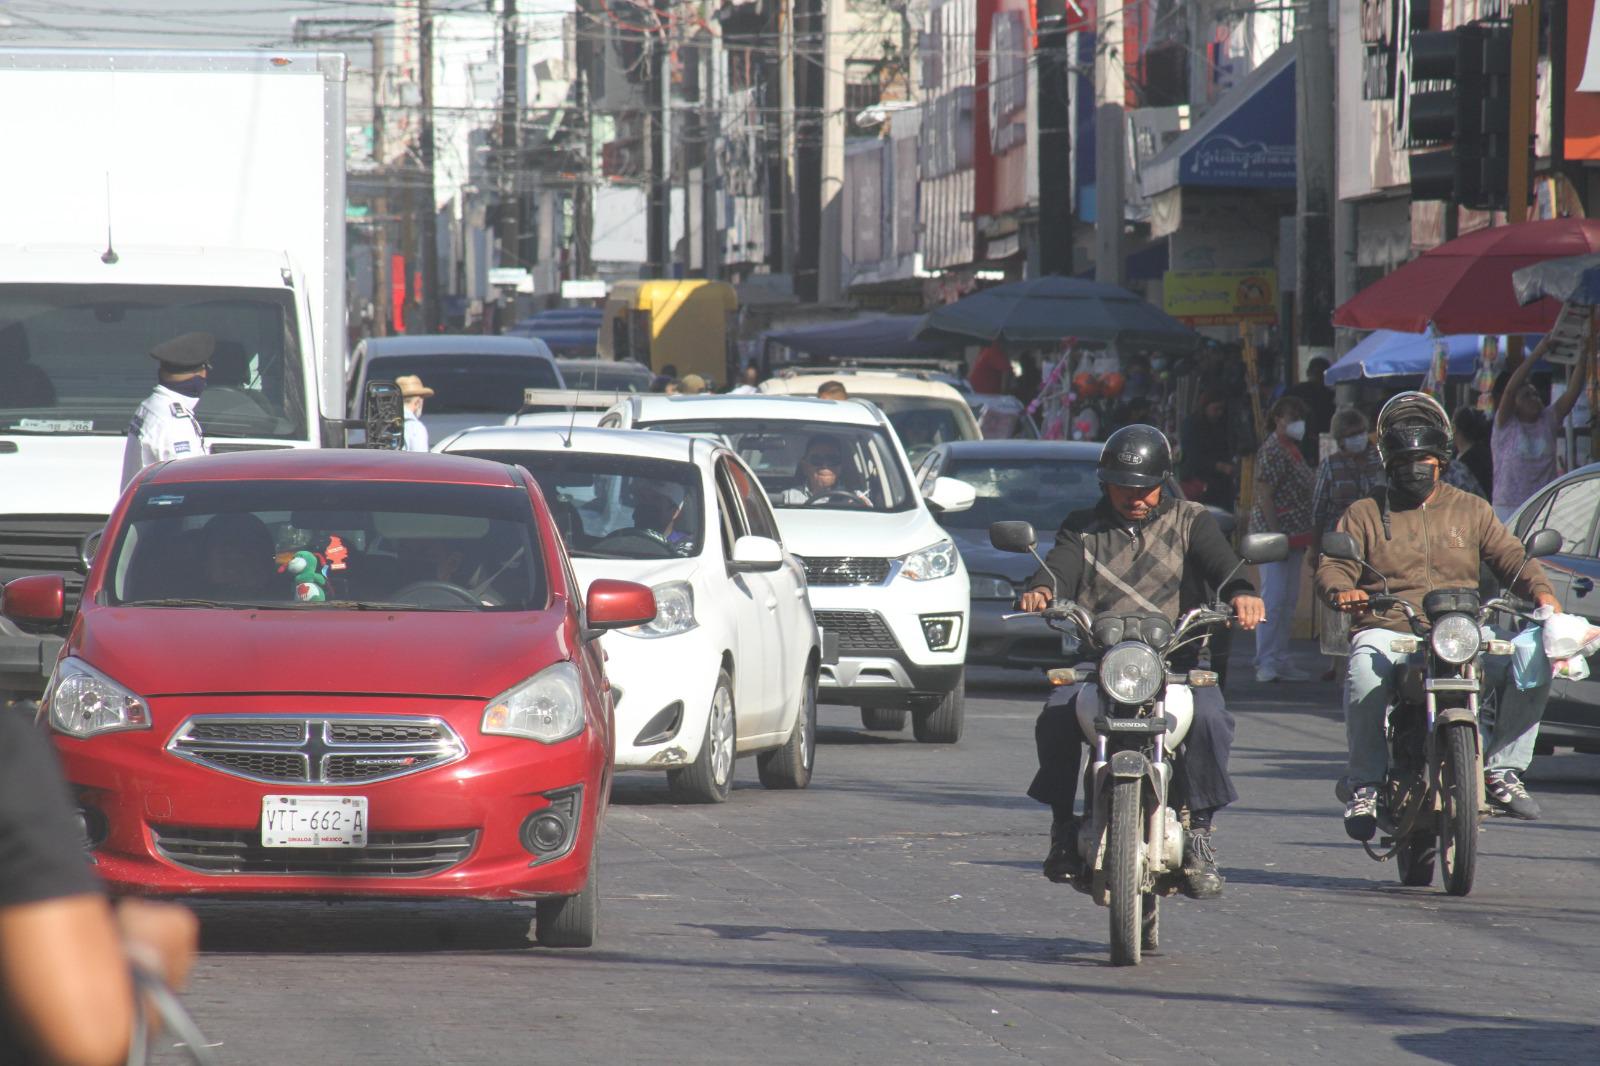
{"x":948,"y":495}
{"x":756,"y":555}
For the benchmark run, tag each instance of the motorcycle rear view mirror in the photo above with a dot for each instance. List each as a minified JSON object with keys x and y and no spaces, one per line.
{"x":1341,"y":546}
{"x":1016,"y":537}
{"x":1258,"y":548}
{"x":1542,"y":543}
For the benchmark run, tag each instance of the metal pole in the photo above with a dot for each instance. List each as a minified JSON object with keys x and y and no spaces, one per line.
{"x":430,"y":208}
{"x":1524,"y":77}
{"x":583,"y":193}
{"x":1314,"y":259}
{"x":380,"y":227}
{"x":830,"y":184}
{"x":510,"y":214}
{"x":1110,"y":84}
{"x":1055,"y":142}
{"x":711,"y":235}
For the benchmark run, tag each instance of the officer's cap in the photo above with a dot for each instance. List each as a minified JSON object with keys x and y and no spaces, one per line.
{"x":187,"y":352}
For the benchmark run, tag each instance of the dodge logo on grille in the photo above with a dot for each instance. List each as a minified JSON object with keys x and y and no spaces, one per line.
{"x":396,"y":760}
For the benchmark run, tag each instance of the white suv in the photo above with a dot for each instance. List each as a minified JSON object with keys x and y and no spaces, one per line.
{"x":886,"y":582}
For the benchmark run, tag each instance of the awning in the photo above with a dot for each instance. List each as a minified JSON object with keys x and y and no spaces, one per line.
{"x":1387,"y":354}
{"x":885,"y":337}
{"x":1246,"y":140}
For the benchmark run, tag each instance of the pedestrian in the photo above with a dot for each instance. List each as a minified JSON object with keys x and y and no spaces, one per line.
{"x":1318,"y":398}
{"x":1283,"y":488}
{"x":832,"y":390}
{"x":1523,"y":438}
{"x":412,"y":393}
{"x":66,"y":991}
{"x":165,"y":427}
{"x":692,"y":385}
{"x":1349,"y":474}
{"x":1472,"y":450}
{"x":748,"y":381}
{"x":991,"y":371}
{"x":1208,"y":464}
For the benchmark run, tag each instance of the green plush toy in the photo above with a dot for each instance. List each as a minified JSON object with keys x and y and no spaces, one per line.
{"x":310,"y":584}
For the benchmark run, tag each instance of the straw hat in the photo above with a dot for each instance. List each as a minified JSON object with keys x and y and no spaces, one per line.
{"x":411,"y":385}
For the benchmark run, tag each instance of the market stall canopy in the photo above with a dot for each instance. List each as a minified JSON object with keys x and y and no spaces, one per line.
{"x":880,"y":337}
{"x":1049,"y":310}
{"x":1388,"y":354}
{"x":1464,"y":285}
{"x":1573,"y":280}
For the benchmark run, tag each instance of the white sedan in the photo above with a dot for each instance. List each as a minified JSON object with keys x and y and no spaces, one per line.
{"x":729,"y":666}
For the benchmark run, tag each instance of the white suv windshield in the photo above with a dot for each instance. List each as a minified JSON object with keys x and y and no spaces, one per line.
{"x":813,"y":464}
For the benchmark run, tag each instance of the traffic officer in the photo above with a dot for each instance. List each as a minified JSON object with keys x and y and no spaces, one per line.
{"x":165,"y":427}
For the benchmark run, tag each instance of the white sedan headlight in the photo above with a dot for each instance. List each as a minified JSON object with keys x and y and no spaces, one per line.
{"x":674,"y":612}
{"x":1455,"y":638}
{"x":990,"y":587}
{"x":934,"y":561}
{"x":83,"y":702}
{"x":548,"y":707}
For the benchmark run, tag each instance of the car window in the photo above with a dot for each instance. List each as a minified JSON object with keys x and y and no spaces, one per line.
{"x":1040,"y":491}
{"x":869,"y":473}
{"x":922,"y":422}
{"x":615,"y":506}
{"x":261,"y":543}
{"x":733,"y":526}
{"x":1570,"y":510}
{"x":470,"y":384}
{"x":928,"y":470}
{"x":752,"y":498}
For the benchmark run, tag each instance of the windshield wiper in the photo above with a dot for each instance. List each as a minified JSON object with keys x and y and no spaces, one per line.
{"x":578,"y":553}
{"x":179,"y":602}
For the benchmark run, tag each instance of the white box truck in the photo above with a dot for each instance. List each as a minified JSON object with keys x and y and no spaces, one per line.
{"x":146,"y":194}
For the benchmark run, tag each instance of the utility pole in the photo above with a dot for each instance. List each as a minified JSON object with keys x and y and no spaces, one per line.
{"x":1110,"y":94}
{"x":583,"y":193}
{"x":1200,"y":30}
{"x":509,"y":219}
{"x":787,"y":228}
{"x":430,"y":208}
{"x":1314,"y":259}
{"x":1524,"y":78}
{"x":380,"y":227}
{"x":1055,"y":140}
{"x":659,"y":202}
{"x":710,"y":191}
{"x":830,"y":184}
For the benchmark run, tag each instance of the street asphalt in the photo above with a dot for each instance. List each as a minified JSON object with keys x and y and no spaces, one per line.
{"x":894,"y":913}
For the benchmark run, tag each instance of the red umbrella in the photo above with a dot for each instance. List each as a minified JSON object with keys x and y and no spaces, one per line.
{"x":1464,"y":285}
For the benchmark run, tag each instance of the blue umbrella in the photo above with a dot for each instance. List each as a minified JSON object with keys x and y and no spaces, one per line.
{"x":1050,"y":309}
{"x":1388,"y":354}
{"x":1575,"y":279}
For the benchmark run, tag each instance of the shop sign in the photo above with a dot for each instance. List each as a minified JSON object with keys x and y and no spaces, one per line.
{"x":1221,"y":297}
{"x":1582,"y":134}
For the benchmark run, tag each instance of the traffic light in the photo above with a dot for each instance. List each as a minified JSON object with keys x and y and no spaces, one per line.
{"x":1469,"y":114}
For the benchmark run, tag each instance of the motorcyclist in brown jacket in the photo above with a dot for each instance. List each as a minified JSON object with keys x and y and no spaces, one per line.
{"x":1423,"y":534}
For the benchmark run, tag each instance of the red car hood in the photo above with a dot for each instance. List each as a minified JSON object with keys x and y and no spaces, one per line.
{"x":187,"y":651}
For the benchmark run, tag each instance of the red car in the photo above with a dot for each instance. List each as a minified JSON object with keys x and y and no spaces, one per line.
{"x":338,"y":673}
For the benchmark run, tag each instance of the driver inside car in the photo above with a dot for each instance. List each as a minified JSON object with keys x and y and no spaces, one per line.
{"x":238,"y":559}
{"x":822,"y":469}
{"x":658,"y":513}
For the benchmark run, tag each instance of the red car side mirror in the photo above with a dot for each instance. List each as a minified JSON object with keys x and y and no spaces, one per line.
{"x":42,"y":598}
{"x":618,"y":604}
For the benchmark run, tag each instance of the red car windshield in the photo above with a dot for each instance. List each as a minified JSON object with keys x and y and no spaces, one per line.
{"x":329,"y":545}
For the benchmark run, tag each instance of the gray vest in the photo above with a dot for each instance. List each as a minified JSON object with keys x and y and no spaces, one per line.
{"x":1137,"y":570}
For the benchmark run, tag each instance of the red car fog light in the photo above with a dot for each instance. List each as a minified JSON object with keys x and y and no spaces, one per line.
{"x":92,"y":821}
{"x":549,"y":834}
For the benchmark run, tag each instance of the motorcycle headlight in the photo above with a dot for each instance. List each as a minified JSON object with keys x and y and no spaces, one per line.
{"x":674,"y":612}
{"x":82,"y":702}
{"x":548,"y":707}
{"x":934,"y":561}
{"x":1455,"y":638}
{"x":990,"y":587}
{"x":1131,"y":673}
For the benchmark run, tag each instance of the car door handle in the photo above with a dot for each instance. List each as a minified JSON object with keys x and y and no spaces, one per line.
{"x":1583,"y":585}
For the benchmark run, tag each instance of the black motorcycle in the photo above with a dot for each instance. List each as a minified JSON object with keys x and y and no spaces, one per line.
{"x":1431,"y":801}
{"x":1136,"y":711}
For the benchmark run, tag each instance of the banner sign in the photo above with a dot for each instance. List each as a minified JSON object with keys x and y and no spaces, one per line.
{"x":1220,"y":297}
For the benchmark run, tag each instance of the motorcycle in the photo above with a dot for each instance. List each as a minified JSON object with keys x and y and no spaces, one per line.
{"x":1431,"y":802}
{"x":1136,"y":712}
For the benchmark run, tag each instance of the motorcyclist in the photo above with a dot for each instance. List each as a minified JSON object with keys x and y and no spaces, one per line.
{"x":1421,"y":534}
{"x":1140,"y":551}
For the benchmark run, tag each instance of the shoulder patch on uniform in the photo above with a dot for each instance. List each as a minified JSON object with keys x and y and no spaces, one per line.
{"x":180,"y":448}
{"x":178,"y":411}
{"x":137,"y":424}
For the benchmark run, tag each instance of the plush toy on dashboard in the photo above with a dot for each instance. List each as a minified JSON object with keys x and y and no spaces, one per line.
{"x":310,"y":583}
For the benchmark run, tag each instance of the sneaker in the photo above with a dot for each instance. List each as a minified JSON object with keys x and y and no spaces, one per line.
{"x":1265,"y":675}
{"x":1361,"y":814}
{"x":1507,"y":792}
{"x":1200,"y":877}
{"x":1063,"y":863}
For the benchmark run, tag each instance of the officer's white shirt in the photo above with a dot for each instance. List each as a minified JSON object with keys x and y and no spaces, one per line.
{"x":416,"y":432}
{"x":164,"y":427}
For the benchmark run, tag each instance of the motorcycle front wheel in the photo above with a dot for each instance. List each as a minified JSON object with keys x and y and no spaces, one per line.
{"x":1122,"y":872}
{"x":1458,"y":813}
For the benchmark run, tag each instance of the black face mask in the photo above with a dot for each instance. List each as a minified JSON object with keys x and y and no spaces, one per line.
{"x":191,"y":387}
{"x":1411,"y":483}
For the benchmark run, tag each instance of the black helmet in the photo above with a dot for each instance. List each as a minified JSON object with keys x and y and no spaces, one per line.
{"x":1136,"y":457}
{"x":1413,"y":424}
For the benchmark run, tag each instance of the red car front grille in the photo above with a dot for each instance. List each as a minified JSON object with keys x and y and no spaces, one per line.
{"x":239,"y":851}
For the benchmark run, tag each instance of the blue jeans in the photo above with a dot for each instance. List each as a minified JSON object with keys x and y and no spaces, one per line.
{"x":1369,"y":690}
{"x":1280,"y":589}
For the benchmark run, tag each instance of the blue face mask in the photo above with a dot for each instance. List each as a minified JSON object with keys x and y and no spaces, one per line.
{"x":191,"y":387}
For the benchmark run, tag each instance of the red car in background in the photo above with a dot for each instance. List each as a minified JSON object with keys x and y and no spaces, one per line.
{"x":334,"y":674}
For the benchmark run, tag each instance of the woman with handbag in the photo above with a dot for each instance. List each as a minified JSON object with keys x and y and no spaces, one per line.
{"x":1283,"y":487}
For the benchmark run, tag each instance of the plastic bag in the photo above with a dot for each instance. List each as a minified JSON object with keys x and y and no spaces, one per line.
{"x":1575,"y":669}
{"x":1567,"y":636}
{"x":1530,"y":666}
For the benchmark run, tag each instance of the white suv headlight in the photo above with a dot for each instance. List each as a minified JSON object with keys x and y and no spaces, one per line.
{"x":548,"y":707}
{"x":674,"y":612}
{"x":934,"y":561}
{"x":83,"y":702}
